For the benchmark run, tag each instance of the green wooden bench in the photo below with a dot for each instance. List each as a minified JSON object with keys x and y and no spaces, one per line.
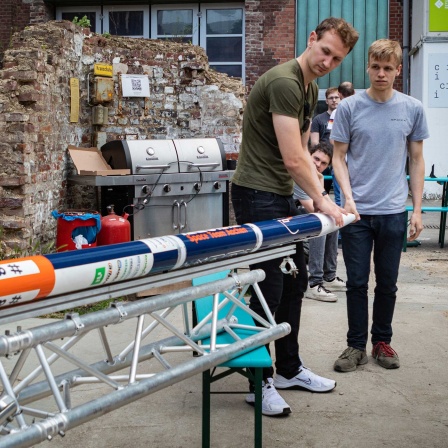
{"x":442,"y":210}
{"x":256,"y":360}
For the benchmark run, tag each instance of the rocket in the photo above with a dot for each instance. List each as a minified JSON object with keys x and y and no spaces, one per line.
{"x":34,"y":278}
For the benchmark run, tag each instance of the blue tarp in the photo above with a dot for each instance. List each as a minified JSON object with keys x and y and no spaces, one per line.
{"x":88,"y":232}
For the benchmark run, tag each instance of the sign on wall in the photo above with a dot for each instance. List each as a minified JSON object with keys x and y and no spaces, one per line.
{"x":74,"y":100}
{"x":135,"y":85}
{"x":438,"y":15}
{"x":438,"y":80}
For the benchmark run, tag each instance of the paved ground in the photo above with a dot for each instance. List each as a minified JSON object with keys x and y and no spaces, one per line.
{"x":369,"y":408}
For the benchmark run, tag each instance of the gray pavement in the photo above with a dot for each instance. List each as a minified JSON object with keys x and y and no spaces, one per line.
{"x":369,"y":408}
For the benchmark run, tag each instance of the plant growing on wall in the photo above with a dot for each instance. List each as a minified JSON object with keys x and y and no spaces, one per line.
{"x":83,"y":22}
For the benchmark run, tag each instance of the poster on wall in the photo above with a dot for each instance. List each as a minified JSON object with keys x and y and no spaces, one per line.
{"x":438,"y":15}
{"x":438,"y":80}
{"x":135,"y":85}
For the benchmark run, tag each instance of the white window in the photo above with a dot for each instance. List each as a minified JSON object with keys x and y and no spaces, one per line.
{"x":222,"y":36}
{"x":93,"y":13}
{"x":129,"y":20}
{"x":175,"y":22}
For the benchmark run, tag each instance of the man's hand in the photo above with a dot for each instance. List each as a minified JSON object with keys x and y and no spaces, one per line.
{"x":330,"y":208}
{"x":415,"y":226}
{"x":350,"y":206}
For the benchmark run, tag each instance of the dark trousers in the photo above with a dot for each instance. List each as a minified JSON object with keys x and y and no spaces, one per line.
{"x":283,"y":292}
{"x":384,"y":235}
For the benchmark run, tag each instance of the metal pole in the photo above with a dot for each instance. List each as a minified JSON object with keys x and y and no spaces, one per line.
{"x":38,"y":432}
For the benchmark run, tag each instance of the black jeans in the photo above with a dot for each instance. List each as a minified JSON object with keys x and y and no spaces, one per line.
{"x":283,"y":292}
{"x":384,"y":235}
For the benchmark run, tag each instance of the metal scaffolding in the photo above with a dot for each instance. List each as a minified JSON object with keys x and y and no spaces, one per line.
{"x":154,"y":351}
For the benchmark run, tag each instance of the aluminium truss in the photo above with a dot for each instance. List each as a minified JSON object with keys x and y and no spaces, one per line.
{"x":154,"y":351}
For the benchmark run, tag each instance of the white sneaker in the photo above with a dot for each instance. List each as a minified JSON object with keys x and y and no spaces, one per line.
{"x":337,"y":284}
{"x":319,"y":292}
{"x":272,"y":403}
{"x":305,"y":379}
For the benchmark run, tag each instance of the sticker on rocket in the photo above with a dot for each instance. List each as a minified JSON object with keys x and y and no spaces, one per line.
{"x":169,"y":252}
{"x":212,"y":244}
{"x":282,"y":231}
{"x":102,"y":273}
{"x":13,"y":299}
{"x":25,"y":278}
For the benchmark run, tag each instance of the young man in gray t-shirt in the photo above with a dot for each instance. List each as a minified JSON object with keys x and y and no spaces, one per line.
{"x":376,"y":131}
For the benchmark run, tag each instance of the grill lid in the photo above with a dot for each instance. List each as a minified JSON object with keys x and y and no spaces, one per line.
{"x":165,"y":156}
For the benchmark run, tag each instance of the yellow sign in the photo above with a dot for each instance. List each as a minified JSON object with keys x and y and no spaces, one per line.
{"x":438,"y":15}
{"x":103,"y":70}
{"x":74,"y":100}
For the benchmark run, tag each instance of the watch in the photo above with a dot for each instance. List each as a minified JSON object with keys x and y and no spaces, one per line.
{"x":324,"y":193}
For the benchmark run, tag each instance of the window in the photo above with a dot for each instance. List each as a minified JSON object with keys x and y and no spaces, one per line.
{"x":177,"y":23}
{"x":129,"y":21}
{"x":92,"y":13}
{"x":223,"y":38}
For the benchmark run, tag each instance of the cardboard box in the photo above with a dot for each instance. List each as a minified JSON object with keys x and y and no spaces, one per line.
{"x":90,"y":162}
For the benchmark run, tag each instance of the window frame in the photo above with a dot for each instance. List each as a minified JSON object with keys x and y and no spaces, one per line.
{"x":204,"y":35}
{"x":96,"y":9}
{"x":181,"y":6}
{"x":121,"y":8}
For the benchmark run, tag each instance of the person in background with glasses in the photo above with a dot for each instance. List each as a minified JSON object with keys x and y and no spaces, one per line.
{"x":323,"y":251}
{"x":319,"y":131}
{"x":273,"y":155}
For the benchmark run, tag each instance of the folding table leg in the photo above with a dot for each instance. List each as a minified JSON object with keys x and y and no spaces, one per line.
{"x":206,"y":378}
{"x":258,"y":399}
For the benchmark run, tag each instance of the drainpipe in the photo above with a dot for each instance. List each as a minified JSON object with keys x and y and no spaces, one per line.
{"x":406,"y":41}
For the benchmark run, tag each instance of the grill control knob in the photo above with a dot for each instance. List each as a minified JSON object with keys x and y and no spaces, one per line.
{"x":197,"y":186}
{"x":217,"y":185}
{"x":167,"y":188}
{"x":145,"y":189}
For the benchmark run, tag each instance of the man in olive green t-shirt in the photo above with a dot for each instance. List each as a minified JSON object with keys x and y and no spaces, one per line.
{"x":273,"y":156}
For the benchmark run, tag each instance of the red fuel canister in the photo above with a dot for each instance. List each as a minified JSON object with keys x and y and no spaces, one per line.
{"x":114,"y":229}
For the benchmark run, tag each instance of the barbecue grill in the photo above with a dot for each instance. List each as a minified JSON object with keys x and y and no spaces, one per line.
{"x":175,"y":186}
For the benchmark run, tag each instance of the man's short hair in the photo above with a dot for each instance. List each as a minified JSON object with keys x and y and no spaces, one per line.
{"x":330,"y":90}
{"x":325,"y":147}
{"x":384,"y":50}
{"x":346,"y":32}
{"x":346,"y":89}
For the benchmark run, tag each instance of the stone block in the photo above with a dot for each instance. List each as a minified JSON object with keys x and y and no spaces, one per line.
{"x":20,"y":75}
{"x":16,"y":116}
{"x":29,"y":97}
{"x":11,"y":203}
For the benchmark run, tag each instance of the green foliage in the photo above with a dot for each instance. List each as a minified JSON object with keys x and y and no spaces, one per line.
{"x":106,"y":34}
{"x":36,"y":248}
{"x":84,"y":22}
{"x":84,"y":309}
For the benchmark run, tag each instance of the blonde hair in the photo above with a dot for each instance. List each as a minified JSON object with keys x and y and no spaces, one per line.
{"x":384,"y":50}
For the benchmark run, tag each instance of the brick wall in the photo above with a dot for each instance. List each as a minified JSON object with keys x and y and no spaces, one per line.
{"x":396,"y":30}
{"x":270,"y":35}
{"x":14,"y":16}
{"x":188,"y":100}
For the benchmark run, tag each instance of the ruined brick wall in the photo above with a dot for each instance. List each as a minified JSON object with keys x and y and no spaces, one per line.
{"x":14,"y":16}
{"x":187,"y":100}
